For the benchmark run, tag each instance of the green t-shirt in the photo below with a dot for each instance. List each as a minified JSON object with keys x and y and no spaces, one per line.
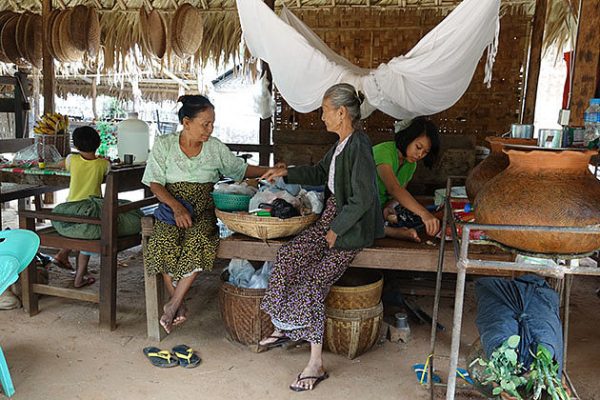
{"x":388,"y":153}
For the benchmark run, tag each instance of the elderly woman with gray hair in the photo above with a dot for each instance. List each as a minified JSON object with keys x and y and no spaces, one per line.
{"x":307,"y":267}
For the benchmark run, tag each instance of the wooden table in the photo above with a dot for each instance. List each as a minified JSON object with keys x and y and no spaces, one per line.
{"x":117,"y":180}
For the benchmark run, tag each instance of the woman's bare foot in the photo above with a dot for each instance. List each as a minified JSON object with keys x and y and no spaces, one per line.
{"x":402,"y":233}
{"x":180,"y":315}
{"x":273,"y":338}
{"x":169,"y":311}
{"x":309,"y":378}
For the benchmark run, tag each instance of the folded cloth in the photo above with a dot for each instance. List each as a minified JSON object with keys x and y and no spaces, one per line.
{"x":164,"y":213}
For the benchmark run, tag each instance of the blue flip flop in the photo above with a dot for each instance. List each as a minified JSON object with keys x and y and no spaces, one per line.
{"x":422,"y":373}
{"x":464,"y":374}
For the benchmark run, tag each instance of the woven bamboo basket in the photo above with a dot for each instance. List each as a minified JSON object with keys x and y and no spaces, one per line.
{"x":358,"y":288}
{"x":265,"y":227}
{"x":352,"y":332}
{"x":240,"y":309}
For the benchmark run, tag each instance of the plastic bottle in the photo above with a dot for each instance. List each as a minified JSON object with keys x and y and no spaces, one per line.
{"x":133,"y":137}
{"x":591,"y":119}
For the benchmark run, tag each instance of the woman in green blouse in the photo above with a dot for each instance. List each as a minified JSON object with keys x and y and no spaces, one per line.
{"x":181,"y":171}
{"x":396,"y":163}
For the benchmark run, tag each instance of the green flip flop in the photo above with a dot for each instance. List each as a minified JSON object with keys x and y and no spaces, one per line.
{"x":187,"y":356}
{"x":161,"y":358}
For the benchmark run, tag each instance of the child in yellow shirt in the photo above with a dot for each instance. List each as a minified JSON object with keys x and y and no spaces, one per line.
{"x":87,"y":174}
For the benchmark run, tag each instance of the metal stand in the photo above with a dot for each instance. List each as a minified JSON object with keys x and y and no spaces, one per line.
{"x":464,"y":263}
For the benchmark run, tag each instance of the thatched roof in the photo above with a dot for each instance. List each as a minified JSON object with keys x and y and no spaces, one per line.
{"x":122,"y":57}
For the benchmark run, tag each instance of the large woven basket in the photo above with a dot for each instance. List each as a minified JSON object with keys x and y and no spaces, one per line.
{"x":358,"y":288}
{"x":265,"y":227}
{"x":240,"y":309}
{"x":352,"y":332}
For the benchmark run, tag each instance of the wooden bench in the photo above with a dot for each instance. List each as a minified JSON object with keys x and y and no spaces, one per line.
{"x":387,"y":253}
{"x":109,"y":244}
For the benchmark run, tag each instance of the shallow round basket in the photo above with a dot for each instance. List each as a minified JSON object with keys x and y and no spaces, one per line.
{"x":231,"y":202}
{"x":358,"y":288}
{"x":265,"y":227}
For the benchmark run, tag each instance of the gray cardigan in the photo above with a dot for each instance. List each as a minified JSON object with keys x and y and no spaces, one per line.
{"x":359,"y":219}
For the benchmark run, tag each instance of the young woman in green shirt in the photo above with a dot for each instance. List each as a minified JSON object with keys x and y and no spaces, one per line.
{"x":396,"y":163}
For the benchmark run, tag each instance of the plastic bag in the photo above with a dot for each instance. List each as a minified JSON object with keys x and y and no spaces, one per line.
{"x":235,"y":188}
{"x":268,"y":194}
{"x":312,"y":201}
{"x":240,"y":272}
{"x":260,"y":279}
{"x":36,"y":151}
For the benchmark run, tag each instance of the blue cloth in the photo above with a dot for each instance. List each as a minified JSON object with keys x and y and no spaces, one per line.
{"x":164,"y":213}
{"x":527,"y":307}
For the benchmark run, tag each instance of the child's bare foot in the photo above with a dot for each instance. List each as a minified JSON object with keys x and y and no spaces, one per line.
{"x":402,"y":233}
{"x":84,"y":281}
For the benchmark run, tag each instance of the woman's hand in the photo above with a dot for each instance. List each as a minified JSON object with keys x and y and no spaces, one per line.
{"x":273,"y":173}
{"x":331,"y":237}
{"x":183,"y":218}
{"x":432,"y":224}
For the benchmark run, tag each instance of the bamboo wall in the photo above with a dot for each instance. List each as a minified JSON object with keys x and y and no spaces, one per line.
{"x":368,"y":37}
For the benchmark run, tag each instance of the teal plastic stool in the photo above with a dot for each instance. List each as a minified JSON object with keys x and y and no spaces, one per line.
{"x":17,"y":249}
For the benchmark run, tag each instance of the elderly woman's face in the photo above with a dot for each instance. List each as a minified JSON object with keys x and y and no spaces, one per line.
{"x":418,"y":148}
{"x":201,"y":126}
{"x":332,"y":116}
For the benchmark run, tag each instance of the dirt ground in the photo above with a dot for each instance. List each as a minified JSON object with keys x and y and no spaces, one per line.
{"x":61,"y":353}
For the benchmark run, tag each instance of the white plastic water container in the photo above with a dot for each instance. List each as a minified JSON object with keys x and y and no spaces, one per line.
{"x":133,"y":137}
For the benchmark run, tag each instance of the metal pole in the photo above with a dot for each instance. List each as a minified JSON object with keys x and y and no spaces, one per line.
{"x":568,"y":283}
{"x":458,"y":312}
{"x":438,"y":287}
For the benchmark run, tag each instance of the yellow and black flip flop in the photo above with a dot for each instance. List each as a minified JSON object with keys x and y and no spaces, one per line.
{"x":161,"y":358}
{"x":187,"y":356}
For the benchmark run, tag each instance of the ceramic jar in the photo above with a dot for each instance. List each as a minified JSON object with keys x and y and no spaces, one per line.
{"x":543,"y":187}
{"x":493,"y":164}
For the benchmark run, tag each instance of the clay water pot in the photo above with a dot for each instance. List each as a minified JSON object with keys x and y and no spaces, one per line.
{"x":493,"y":164}
{"x":543,"y":187}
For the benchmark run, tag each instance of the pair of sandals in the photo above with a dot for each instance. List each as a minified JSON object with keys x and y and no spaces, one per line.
{"x":181,"y":355}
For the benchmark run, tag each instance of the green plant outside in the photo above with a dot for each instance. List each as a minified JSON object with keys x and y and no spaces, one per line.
{"x":108,"y":138}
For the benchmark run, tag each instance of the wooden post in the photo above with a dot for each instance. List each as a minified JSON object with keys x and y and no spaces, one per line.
{"x":108,"y":257}
{"x":534,"y":61}
{"x":587,"y":61}
{"x":48,"y":77}
{"x":265,"y":124}
{"x":48,"y":61}
{"x":21,"y":98}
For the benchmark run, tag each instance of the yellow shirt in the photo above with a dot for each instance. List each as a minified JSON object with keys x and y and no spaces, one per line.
{"x":86,"y":176}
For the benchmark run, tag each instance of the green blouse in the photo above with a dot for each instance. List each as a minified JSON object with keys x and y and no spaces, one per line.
{"x":168,"y":164}
{"x":388,"y":153}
